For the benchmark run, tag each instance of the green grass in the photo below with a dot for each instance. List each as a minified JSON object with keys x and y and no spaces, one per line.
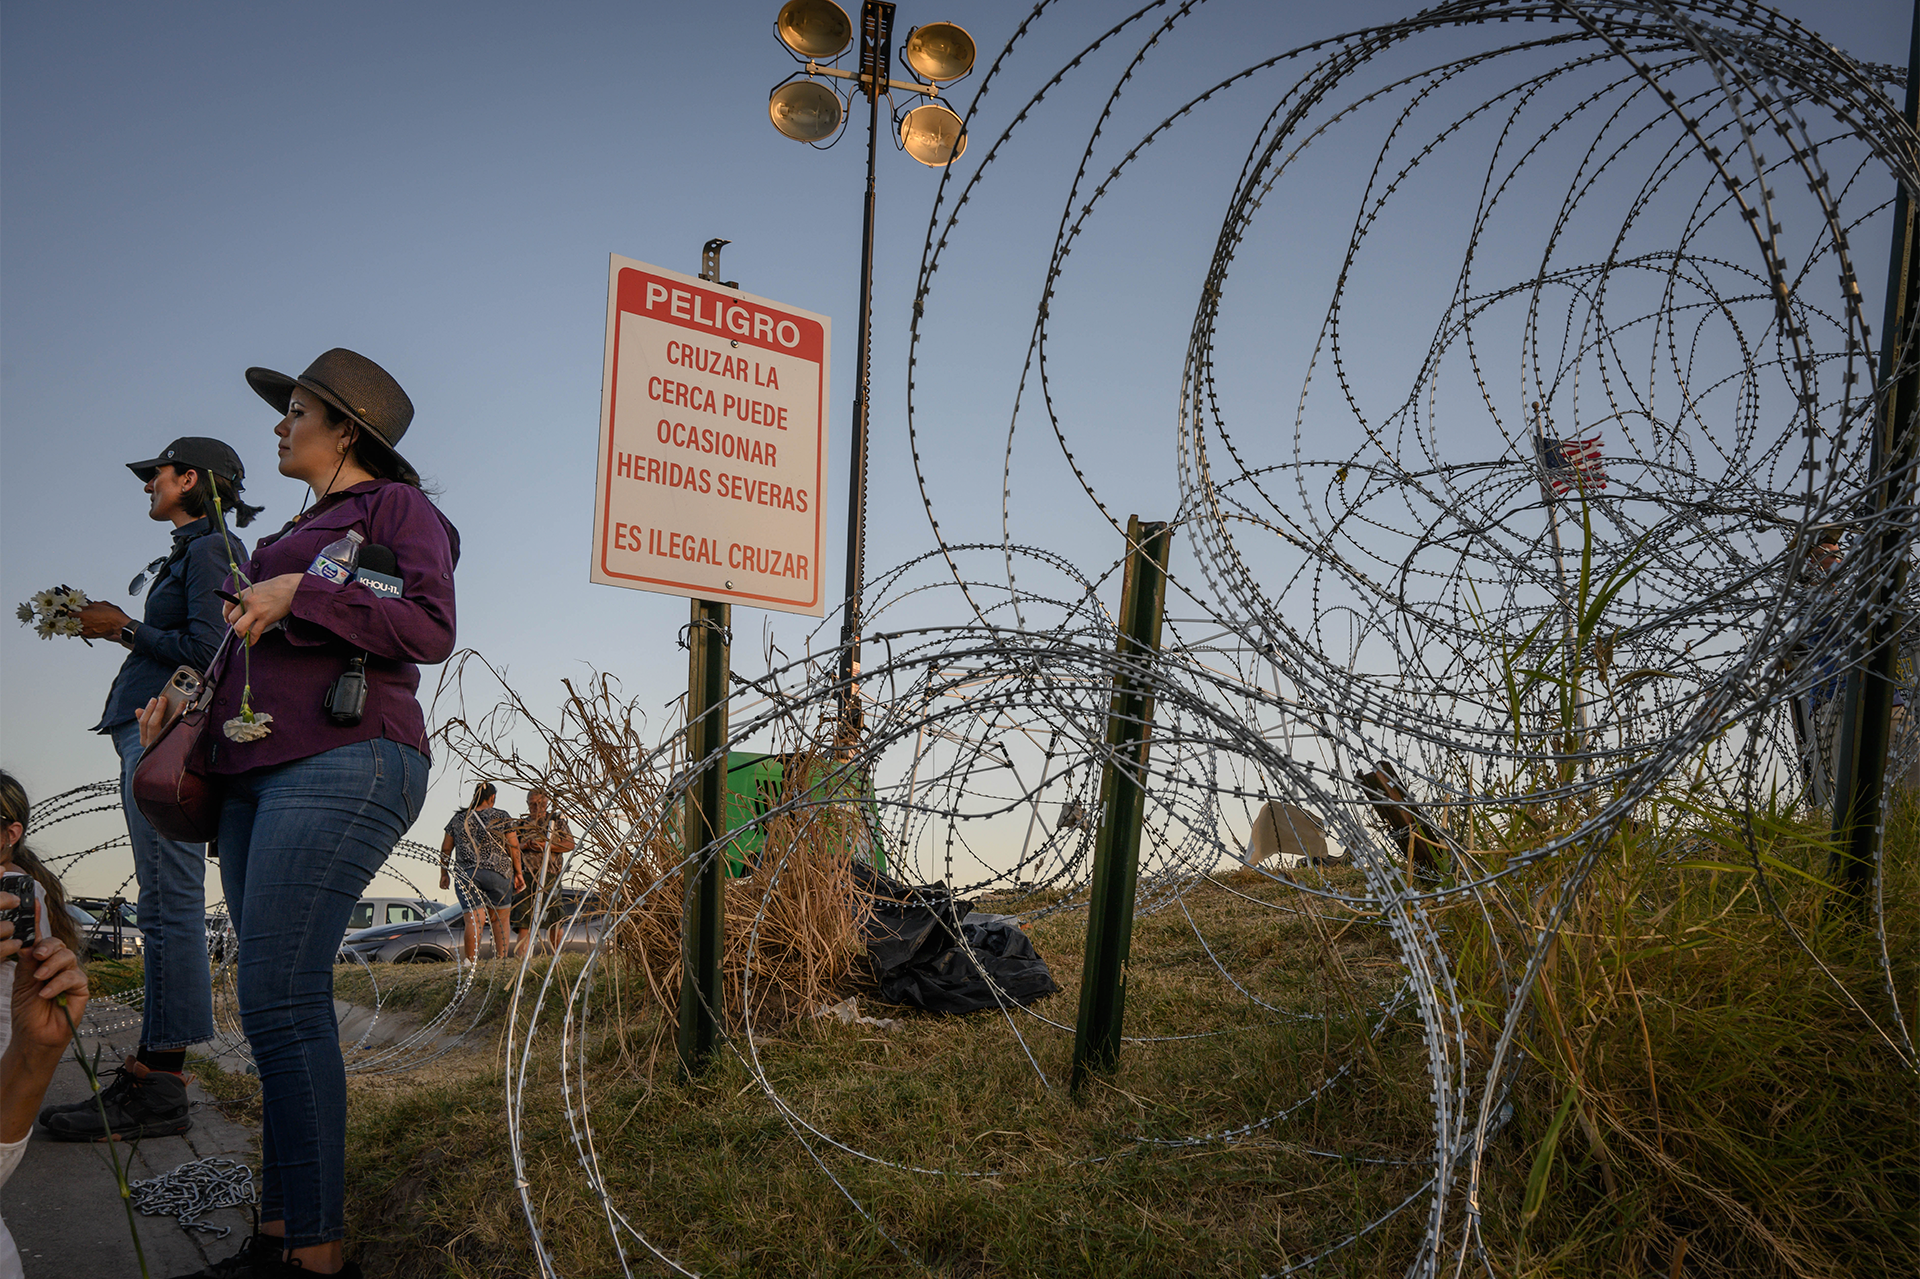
{"x":713,"y":1175}
{"x":235,"y":1094}
{"x":1732,"y":1111}
{"x":115,"y":976}
{"x":1736,"y":1107}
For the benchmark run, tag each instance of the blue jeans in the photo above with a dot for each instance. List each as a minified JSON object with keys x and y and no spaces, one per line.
{"x":473,"y":893}
{"x":298,"y":844}
{"x":178,"y":1011}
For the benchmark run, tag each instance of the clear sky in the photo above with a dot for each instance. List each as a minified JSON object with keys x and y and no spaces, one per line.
{"x":190,"y":189}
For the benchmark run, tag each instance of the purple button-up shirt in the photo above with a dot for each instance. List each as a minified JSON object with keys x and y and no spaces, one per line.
{"x":293,"y":666}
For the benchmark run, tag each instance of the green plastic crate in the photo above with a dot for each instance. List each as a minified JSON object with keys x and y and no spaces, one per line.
{"x":753,"y":787}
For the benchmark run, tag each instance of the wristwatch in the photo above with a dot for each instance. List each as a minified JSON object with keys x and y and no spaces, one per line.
{"x":126,"y":633}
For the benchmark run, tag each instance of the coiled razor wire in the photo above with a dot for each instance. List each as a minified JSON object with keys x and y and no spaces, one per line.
{"x":1657,"y":216}
{"x":1653,"y":219}
{"x":429,"y":1035}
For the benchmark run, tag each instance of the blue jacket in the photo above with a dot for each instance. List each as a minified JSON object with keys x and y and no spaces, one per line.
{"x":182,"y":624}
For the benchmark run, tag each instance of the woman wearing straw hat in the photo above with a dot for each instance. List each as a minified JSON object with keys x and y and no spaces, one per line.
{"x":320,"y":784}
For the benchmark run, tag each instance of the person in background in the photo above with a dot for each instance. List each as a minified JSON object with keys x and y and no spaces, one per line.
{"x":40,"y":993}
{"x":486,"y":853}
{"x":545,"y":842}
{"x":317,"y":796}
{"x":1826,"y":703}
{"x":180,"y":626}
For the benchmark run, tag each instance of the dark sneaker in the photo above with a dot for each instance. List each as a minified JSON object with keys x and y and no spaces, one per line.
{"x":294,"y":1270}
{"x":141,"y":1103}
{"x":259,"y":1255}
{"x":114,"y":1092}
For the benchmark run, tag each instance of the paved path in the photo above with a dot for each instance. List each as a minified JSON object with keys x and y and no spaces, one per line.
{"x":62,"y":1204}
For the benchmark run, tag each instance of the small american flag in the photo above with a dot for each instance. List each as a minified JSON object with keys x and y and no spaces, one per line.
{"x":1569,"y":462}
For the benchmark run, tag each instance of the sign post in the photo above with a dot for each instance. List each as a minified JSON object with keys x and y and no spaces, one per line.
{"x":710,"y":485}
{"x":1123,"y":802}
{"x":703,"y":920}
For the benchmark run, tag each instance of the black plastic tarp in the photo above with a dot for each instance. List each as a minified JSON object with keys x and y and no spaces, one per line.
{"x":933,"y":951}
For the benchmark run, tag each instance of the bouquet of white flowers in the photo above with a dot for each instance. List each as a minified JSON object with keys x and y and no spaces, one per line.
{"x":54,"y":612}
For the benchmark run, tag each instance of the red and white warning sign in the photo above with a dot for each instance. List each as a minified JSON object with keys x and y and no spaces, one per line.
{"x":713,"y":443}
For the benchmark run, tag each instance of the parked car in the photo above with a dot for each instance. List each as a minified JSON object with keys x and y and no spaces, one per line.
{"x":219,"y":935}
{"x":437,"y":938}
{"x":379,"y":912}
{"x":106,"y":932}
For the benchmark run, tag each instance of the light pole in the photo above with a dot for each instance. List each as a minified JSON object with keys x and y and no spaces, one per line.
{"x":807,"y":111}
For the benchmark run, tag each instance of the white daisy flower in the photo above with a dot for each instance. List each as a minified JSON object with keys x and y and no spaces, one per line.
{"x":25,"y":614}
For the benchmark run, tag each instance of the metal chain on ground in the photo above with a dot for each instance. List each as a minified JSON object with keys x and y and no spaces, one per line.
{"x":192,"y":1190}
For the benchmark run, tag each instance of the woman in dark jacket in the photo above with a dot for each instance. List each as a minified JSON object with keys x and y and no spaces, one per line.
{"x":316,"y":798}
{"x":192,"y":484}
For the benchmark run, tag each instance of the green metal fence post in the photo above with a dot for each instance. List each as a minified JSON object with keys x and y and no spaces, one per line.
{"x":1123,"y":796}
{"x":1867,"y":711}
{"x":703,"y":927}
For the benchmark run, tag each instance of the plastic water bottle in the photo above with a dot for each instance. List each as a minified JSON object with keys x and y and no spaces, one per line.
{"x":338,"y":560}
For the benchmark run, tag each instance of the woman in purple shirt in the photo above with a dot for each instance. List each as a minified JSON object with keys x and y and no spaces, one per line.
{"x":316,"y":802}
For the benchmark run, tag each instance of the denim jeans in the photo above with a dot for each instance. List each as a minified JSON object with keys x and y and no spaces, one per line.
{"x":178,"y":1012}
{"x":298,"y":844}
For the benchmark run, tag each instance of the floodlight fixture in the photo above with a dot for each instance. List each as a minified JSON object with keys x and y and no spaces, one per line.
{"x":939,"y":51}
{"x":933,"y":135}
{"x":818,"y":32}
{"x":814,"y":28}
{"x":805,"y":110}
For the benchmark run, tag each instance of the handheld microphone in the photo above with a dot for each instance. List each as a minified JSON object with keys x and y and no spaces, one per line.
{"x":378,"y":571}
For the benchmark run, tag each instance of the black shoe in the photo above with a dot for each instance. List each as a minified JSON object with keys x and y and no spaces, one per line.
{"x":141,"y":1103}
{"x":114,"y":1092}
{"x":294,"y":1270}
{"x":259,"y":1255}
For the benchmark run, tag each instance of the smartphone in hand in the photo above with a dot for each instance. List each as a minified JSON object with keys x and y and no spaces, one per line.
{"x":21,"y":885}
{"x":181,"y":688}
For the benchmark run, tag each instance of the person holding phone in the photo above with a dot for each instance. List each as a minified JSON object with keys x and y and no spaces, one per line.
{"x":35,"y":972}
{"x":316,"y":797}
{"x":180,"y":625}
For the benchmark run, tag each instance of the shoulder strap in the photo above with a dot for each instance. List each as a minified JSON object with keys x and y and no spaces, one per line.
{"x":215,"y":667}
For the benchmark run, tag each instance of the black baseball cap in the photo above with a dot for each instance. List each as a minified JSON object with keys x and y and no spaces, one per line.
{"x":197,"y":452}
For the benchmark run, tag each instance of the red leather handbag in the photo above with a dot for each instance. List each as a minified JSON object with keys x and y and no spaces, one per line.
{"x":171,"y":785}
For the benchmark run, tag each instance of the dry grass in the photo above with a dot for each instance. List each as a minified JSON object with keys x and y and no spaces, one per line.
{"x":711,"y":1172}
{"x":794,"y":924}
{"x":1707,"y":1077}
{"x":1734,"y":1112}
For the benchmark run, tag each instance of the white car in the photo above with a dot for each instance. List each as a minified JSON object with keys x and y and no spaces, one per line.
{"x":369,"y":912}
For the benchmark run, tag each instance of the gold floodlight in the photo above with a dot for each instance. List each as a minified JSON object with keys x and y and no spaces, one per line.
{"x":931,"y":135}
{"x":939,"y":51}
{"x":805,"y":110}
{"x":814,"y":28}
